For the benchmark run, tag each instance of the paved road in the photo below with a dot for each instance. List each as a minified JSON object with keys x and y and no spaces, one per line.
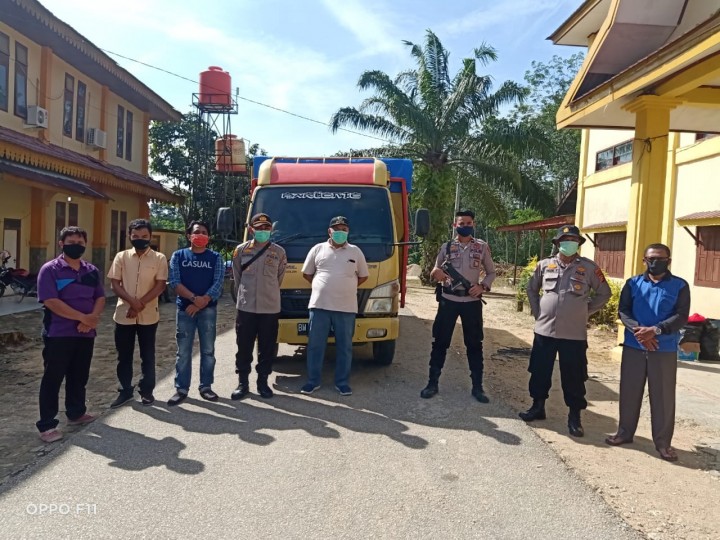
{"x":379,"y":464}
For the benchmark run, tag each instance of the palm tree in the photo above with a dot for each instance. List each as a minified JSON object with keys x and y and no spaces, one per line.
{"x":447,"y":126}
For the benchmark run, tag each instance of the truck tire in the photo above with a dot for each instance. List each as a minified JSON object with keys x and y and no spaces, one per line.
{"x":384,"y":352}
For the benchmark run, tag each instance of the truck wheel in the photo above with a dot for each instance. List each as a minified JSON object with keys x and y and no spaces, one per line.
{"x":383,"y":352}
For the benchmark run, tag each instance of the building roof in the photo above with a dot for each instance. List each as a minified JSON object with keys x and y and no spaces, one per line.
{"x":33,"y":20}
{"x":671,"y":51}
{"x":57,"y":180}
{"x":619,"y":225}
{"x":539,"y":225}
{"x":711,"y":214}
{"x":24,"y":149}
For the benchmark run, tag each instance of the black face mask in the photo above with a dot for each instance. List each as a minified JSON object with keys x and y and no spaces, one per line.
{"x":657,"y":268}
{"x":465,"y":231}
{"x":140,"y":243}
{"x":74,"y":251}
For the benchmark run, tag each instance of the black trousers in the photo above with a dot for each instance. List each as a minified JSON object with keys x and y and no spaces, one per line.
{"x":65,"y":358}
{"x":573,"y":369}
{"x":470,"y":314}
{"x":248,"y":328}
{"x":125,"y":344}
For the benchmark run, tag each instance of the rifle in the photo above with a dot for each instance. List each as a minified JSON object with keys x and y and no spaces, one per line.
{"x":457,"y":280}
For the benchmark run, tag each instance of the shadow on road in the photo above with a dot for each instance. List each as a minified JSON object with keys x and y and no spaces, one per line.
{"x":237,"y":418}
{"x":134,"y":451}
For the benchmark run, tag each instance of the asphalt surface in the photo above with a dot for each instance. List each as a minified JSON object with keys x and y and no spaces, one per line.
{"x":381,"y":463}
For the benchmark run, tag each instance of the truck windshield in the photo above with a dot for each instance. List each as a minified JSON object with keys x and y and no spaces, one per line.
{"x":301,"y":215}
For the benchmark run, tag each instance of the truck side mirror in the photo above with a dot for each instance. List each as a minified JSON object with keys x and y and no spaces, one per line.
{"x":225,"y":221}
{"x":422,"y":222}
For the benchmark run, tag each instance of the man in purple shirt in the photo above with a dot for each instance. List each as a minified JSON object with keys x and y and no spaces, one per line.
{"x":73,"y":295}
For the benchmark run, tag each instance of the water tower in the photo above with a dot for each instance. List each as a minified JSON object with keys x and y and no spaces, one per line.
{"x":220,"y":171}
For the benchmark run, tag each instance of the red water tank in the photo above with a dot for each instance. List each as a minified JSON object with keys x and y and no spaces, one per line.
{"x":215,"y":85}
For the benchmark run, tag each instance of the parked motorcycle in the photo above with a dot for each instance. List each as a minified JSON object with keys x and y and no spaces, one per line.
{"x":22,"y":282}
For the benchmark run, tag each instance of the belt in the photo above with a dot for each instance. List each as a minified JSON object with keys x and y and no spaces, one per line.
{"x":459,"y":292}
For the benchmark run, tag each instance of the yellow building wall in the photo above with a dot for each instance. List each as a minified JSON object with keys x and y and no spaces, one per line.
{"x":55,"y":104}
{"x":8,"y":119}
{"x":15,"y":204}
{"x":697,"y":191}
{"x":137,"y":138}
{"x":602,"y":139}
{"x":606,"y":199}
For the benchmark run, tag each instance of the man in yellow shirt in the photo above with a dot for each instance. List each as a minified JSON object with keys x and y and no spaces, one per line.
{"x":137,"y":277}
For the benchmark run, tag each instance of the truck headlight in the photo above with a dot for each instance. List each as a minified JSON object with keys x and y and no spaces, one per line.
{"x":381,"y":298}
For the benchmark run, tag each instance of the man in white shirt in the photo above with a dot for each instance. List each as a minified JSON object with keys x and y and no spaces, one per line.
{"x":335,"y":269}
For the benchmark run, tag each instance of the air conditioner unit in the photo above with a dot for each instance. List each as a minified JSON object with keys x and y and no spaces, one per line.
{"x":96,"y":138}
{"x":37,"y":117}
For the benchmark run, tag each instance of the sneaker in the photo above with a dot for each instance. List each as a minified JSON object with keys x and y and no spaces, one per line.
{"x":344,"y":390}
{"x":207,"y":393}
{"x":84,"y":419}
{"x":122,"y":399}
{"x":177,"y":399}
{"x":309,"y":388}
{"x":147,"y":399}
{"x":51,"y":435}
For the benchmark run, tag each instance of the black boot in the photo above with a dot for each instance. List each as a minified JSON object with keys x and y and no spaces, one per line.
{"x":536,"y":412}
{"x":432,"y":386}
{"x":242,"y":390}
{"x":574,"y":424}
{"x":263,"y":389}
{"x":477,"y":388}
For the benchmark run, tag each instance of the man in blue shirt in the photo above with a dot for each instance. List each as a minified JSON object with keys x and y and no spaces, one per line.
{"x":196,"y":274}
{"x":654,"y":306}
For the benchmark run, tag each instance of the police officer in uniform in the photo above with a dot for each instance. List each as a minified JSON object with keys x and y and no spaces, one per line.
{"x":258,"y":269}
{"x":561,"y":316}
{"x":468,"y":256}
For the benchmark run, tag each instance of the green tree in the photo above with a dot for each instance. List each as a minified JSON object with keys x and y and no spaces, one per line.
{"x":183,"y":155}
{"x":441,"y":121}
{"x":547,"y":83}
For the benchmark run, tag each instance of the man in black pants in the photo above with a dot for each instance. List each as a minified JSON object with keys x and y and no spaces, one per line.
{"x":468,"y":256}
{"x":73,"y":295}
{"x":567,"y":282}
{"x":258,"y":270}
{"x":137,"y":277}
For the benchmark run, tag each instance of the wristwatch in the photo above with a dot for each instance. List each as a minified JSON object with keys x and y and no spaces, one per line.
{"x":658,"y":330}
{"x":193,"y":298}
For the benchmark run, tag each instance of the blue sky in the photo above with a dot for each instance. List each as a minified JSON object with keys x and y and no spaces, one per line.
{"x":306,"y":56}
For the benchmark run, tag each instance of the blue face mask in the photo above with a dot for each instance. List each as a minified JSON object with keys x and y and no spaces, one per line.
{"x":339,"y":237}
{"x":465,"y":231}
{"x":262,"y":236}
{"x":568,"y":248}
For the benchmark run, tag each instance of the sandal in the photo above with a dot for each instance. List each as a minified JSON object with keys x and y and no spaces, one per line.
{"x":668,"y":454}
{"x":616,"y":440}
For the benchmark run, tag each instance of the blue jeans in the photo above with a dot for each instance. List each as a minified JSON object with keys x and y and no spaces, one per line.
{"x":204,"y":322}
{"x":318,"y":331}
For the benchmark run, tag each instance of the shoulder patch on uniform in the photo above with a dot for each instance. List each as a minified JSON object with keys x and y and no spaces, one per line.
{"x":599,"y":274}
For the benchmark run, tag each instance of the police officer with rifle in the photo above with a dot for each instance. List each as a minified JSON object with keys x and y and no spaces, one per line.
{"x":457,"y":269}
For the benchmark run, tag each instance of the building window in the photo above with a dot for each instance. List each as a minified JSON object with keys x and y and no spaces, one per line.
{"x":21,"y":70}
{"x":118,"y":225}
{"x":66,"y":215}
{"x":615,"y":155}
{"x":707,"y":258}
{"x":120,"y":147}
{"x":68,"y":98}
{"x":4,"y":71}
{"x":702,"y":136}
{"x":128,"y":135}
{"x":80,"y":117}
{"x":610,"y":253}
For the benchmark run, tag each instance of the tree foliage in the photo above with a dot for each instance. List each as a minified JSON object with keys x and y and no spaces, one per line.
{"x":182,"y":154}
{"x":444,"y":122}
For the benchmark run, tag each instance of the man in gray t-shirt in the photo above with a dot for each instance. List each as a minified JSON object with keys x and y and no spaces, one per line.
{"x":336,"y":269}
